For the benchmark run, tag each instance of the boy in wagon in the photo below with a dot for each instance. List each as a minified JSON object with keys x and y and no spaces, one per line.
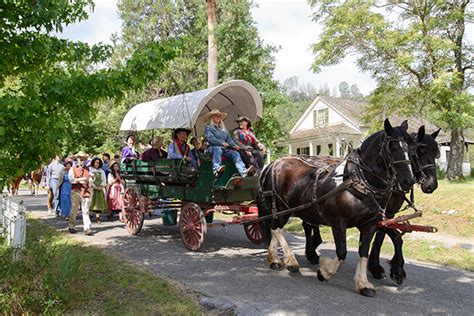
{"x":221,"y":144}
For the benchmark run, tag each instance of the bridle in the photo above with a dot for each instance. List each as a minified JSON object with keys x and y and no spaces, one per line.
{"x":418,"y":168}
{"x":389,"y":180}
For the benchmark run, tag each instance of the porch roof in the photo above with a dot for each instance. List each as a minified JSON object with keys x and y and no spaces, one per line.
{"x":326,"y":131}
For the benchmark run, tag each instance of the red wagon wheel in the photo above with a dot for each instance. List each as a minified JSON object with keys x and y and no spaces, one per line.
{"x":133,"y":205}
{"x":192,"y":226}
{"x":254,"y":232}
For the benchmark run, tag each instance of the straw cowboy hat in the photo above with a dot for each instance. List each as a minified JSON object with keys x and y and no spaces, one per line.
{"x":82,"y":155}
{"x":210,"y":114}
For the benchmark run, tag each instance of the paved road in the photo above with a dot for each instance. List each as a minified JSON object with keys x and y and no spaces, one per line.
{"x":230,"y":273}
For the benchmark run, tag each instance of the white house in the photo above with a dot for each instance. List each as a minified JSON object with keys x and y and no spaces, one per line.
{"x":330,"y":124}
{"x":327,"y":127}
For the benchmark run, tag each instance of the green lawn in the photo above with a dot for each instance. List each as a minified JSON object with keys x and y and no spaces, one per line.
{"x":59,"y":275}
{"x":457,"y":196}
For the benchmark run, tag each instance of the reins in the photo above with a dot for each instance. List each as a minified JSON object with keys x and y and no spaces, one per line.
{"x":356,"y":179}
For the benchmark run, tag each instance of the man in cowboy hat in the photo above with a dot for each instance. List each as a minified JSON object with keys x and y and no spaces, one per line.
{"x":250,"y":148}
{"x":221,"y":144}
{"x":80,"y":194}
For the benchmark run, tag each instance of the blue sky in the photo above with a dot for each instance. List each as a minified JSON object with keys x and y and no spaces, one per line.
{"x":284,"y":23}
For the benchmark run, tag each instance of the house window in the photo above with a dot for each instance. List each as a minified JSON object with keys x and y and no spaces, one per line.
{"x":320,"y":117}
{"x":330,"y":150}
{"x":318,"y":149}
{"x":302,"y":151}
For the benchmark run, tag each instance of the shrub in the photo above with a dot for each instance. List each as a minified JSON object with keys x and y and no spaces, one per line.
{"x":441,"y":174}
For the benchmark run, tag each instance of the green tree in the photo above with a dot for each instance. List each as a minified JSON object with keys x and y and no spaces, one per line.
{"x":417,"y":52}
{"x":241,"y":53}
{"x":344,"y":90}
{"x":48,"y":85}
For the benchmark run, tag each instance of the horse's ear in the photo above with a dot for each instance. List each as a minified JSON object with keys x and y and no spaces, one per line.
{"x":388,"y":127}
{"x":421,"y":133}
{"x":404,"y":125}
{"x":435,"y":134}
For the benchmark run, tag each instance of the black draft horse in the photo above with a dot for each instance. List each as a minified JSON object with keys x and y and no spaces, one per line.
{"x":423,"y":152}
{"x":371,"y":174}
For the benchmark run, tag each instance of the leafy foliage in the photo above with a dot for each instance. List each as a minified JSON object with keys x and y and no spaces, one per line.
{"x":417,"y":52}
{"x":48,"y":85}
{"x":241,"y":54}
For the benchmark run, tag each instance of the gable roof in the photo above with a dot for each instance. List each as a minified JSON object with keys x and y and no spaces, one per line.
{"x":350,"y":110}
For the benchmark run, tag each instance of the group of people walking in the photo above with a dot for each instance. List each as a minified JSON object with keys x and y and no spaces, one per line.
{"x":94,"y":185}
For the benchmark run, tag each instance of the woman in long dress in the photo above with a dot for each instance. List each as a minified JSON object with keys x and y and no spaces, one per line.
{"x":64,"y":186}
{"x":116,"y":190}
{"x":97,"y":183}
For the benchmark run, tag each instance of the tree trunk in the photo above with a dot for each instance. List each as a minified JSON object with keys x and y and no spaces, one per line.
{"x":456,"y":154}
{"x":212,"y":45}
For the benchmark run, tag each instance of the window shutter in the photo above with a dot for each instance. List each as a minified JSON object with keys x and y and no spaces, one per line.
{"x":315,"y":118}
{"x":326,"y":116}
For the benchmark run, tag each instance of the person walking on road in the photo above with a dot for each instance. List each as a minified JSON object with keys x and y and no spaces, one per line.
{"x":54,"y":170}
{"x":80,"y":194}
{"x":64,"y":187}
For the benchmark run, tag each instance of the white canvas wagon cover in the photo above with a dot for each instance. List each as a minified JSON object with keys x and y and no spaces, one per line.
{"x":236,"y":98}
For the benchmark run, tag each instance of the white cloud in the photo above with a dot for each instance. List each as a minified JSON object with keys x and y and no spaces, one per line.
{"x":288,"y":24}
{"x":102,"y":23}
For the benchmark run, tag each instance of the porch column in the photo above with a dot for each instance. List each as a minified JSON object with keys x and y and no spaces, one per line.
{"x":311,"y":149}
{"x":289,"y":149}
{"x":338,"y":148}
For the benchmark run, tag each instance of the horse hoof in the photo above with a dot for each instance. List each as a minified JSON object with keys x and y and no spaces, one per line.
{"x":320,"y":276}
{"x":378,"y":273}
{"x":293,"y":268}
{"x":276,"y":266}
{"x":367,"y":292}
{"x":398,"y":276}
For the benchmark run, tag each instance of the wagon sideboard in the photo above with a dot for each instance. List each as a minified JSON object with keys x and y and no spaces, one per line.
{"x":168,"y":178}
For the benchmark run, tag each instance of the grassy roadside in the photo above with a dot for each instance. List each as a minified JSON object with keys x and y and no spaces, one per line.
{"x":457,"y":197}
{"x":58,"y":275}
{"x":417,"y":249}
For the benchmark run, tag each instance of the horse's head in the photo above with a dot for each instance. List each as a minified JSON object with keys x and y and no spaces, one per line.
{"x":395,"y":150}
{"x":423,"y":155}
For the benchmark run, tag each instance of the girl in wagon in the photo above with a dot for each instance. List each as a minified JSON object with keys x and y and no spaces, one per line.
{"x":250,"y":148}
{"x":179,"y":148}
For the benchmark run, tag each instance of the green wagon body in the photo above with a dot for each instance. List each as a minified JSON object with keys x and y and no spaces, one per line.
{"x":168,"y":178}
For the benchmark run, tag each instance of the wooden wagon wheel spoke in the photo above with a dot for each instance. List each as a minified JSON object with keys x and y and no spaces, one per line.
{"x":133,"y":206}
{"x":192,"y":225}
{"x":254,"y":232}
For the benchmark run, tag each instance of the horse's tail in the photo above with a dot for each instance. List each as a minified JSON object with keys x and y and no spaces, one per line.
{"x":264,"y":203}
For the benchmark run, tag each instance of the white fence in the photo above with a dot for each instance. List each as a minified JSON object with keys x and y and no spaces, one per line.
{"x":13,"y":223}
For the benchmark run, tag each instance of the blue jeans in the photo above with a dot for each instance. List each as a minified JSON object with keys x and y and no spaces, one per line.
{"x":217,"y":153}
{"x":53,"y":184}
